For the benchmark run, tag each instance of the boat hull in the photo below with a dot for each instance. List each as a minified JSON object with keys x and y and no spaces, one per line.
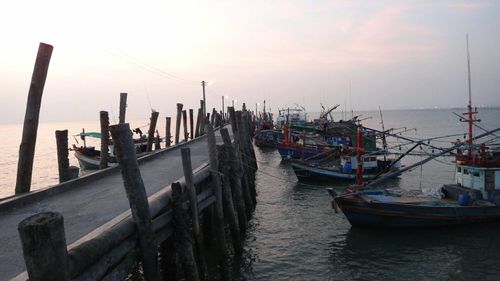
{"x":361,"y":212}
{"x":89,"y":162}
{"x":293,"y":152}
{"x":308,"y":173}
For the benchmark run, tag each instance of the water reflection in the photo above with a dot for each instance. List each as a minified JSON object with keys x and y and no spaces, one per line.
{"x":429,"y":254}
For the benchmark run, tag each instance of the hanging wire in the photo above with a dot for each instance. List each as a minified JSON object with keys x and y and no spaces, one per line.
{"x":152,"y":69}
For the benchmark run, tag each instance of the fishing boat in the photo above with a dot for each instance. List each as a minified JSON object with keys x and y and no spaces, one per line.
{"x":89,"y":157}
{"x":267,"y":138}
{"x":343,"y":164}
{"x":474,"y":197}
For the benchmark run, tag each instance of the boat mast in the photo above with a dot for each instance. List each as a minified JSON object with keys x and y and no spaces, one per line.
{"x":360,"y":150}
{"x":470,"y":114}
{"x":384,"y":140}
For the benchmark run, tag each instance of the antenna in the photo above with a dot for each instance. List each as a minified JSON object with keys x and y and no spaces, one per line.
{"x":468,"y":69}
{"x":350,"y":99}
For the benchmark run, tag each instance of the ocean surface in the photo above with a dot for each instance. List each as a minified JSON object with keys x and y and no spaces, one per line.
{"x":295,"y":234}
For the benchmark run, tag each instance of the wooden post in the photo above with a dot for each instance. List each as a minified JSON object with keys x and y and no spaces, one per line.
{"x":103,"y":116}
{"x":228,"y":161}
{"x":151,"y":131}
{"x":229,"y":210}
{"x":198,"y":120}
{"x":193,"y":200}
{"x":182,"y":237}
{"x":123,"y":107}
{"x":241,"y":170}
{"x":30,"y":127}
{"x":219,"y":209}
{"x":157,"y":141}
{"x":212,"y":118}
{"x":188,"y":175}
{"x":178,"y":122}
{"x":136,"y":194}
{"x":44,"y":247}
{"x":191,"y":123}
{"x":62,"y":156}
{"x":168,"y":136}
{"x":246,"y":158}
{"x":202,"y":120}
{"x":185,"y":125}
{"x":225,"y":136}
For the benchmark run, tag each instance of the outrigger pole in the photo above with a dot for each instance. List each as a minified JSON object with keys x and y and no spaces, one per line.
{"x":387,"y":176}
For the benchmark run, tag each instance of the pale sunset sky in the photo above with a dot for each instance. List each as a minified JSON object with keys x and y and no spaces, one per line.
{"x":394,"y":54}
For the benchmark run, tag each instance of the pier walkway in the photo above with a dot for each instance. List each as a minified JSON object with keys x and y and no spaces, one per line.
{"x":89,"y":202}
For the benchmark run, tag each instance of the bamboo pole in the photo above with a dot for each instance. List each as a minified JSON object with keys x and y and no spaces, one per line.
{"x":136,"y":194}
{"x":30,"y":127}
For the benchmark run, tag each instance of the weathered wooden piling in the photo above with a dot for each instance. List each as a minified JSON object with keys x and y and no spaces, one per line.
{"x":246,"y":158}
{"x":182,"y":237}
{"x":188,"y":176}
{"x":219,"y":206}
{"x":239,"y":164}
{"x":168,"y":136}
{"x":123,"y":107}
{"x":191,"y":123}
{"x":203,"y":116}
{"x":198,"y":120}
{"x":136,"y":194}
{"x":212,"y":118}
{"x":104,"y":118}
{"x":178,"y":122}
{"x":62,"y":156}
{"x":30,"y":127}
{"x":185,"y":125}
{"x":44,"y":247}
{"x":151,"y":131}
{"x":228,"y":166}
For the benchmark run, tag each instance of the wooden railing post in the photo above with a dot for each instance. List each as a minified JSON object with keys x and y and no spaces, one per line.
{"x":123,"y":107}
{"x":219,"y":209}
{"x":30,"y":127}
{"x":178,"y":122}
{"x":227,"y":157}
{"x":104,"y":118}
{"x":151,"y":131}
{"x":182,"y":237}
{"x":44,"y":247}
{"x":136,"y":194}
{"x":168,"y":135}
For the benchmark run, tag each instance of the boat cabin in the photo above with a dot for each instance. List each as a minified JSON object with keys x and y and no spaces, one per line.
{"x":486,"y":180}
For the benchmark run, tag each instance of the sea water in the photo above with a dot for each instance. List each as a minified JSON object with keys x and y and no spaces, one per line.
{"x":296,"y":235}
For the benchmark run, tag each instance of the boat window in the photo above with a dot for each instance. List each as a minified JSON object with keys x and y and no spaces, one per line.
{"x":459,"y":169}
{"x":475,"y":173}
{"x":466,"y":172}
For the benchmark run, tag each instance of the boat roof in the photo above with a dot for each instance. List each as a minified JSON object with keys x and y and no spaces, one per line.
{"x":90,"y":134}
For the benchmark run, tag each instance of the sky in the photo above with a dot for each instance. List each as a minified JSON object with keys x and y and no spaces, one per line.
{"x":359,"y":54}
